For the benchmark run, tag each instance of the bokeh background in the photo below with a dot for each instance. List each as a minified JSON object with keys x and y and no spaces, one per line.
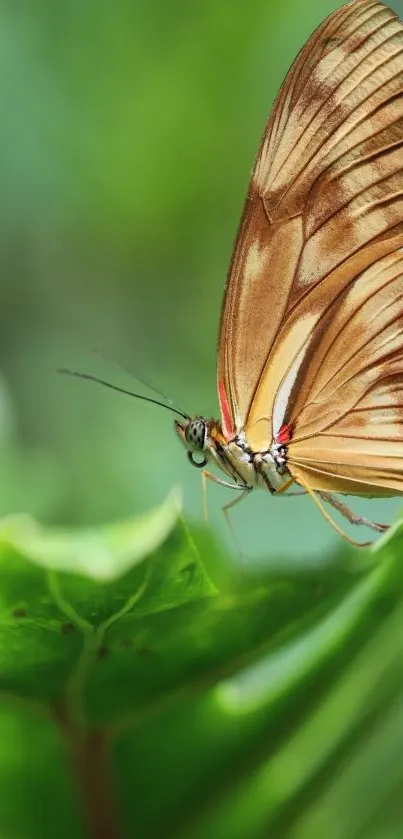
{"x":128,"y":132}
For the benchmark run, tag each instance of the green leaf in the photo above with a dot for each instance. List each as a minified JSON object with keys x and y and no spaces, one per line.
{"x":101,"y":554}
{"x":262,"y":709}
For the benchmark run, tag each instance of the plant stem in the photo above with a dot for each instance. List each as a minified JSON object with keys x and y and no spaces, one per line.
{"x":88,"y":755}
{"x":92,"y":771}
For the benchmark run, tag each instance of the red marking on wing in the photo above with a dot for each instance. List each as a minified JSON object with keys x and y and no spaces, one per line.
{"x":284,"y":435}
{"x":226,"y":419}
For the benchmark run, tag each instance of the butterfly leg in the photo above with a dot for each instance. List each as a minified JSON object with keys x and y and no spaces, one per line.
{"x":349,"y":515}
{"x":206,"y":475}
{"x":315,"y":497}
{"x":282,"y":491}
{"x":244,"y":490}
{"x":226,"y":508}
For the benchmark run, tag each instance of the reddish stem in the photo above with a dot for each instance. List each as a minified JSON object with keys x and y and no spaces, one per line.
{"x":89,"y":759}
{"x":92,"y":771}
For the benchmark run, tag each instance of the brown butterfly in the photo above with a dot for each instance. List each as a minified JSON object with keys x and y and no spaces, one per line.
{"x":310,"y":353}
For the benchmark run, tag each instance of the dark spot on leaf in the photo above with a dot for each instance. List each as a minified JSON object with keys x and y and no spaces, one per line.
{"x":103,"y":652}
{"x":126,"y":642}
{"x":144,"y":651}
{"x":67,"y":628}
{"x":19,"y":613}
{"x":187,"y":571}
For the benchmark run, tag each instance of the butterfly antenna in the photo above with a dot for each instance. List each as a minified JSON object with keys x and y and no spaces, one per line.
{"x":146,"y":384}
{"x":66,"y":372}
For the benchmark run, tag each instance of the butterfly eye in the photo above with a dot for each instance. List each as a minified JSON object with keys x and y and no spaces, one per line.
{"x":195,"y":434}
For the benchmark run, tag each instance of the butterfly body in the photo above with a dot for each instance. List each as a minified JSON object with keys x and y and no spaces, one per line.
{"x":266,"y":469}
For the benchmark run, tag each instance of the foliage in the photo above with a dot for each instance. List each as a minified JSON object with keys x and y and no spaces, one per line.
{"x":247,"y":705}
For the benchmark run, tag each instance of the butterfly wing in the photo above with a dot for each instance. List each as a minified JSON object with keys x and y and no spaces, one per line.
{"x":347,"y":436}
{"x":324,"y":205}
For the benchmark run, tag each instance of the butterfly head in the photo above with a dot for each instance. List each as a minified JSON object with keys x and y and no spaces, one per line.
{"x":200,"y":435}
{"x":194,"y":433}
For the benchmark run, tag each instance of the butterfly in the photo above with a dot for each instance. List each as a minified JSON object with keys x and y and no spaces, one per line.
{"x":310,"y":350}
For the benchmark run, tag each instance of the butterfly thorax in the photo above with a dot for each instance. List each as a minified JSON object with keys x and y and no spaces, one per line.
{"x":249,"y":469}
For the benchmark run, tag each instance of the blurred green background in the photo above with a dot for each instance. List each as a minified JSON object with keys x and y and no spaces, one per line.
{"x":128,"y":135}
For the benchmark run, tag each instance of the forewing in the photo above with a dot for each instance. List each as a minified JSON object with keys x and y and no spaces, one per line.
{"x":324,"y":204}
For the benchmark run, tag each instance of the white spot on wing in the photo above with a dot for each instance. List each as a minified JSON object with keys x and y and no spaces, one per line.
{"x":283,"y":394}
